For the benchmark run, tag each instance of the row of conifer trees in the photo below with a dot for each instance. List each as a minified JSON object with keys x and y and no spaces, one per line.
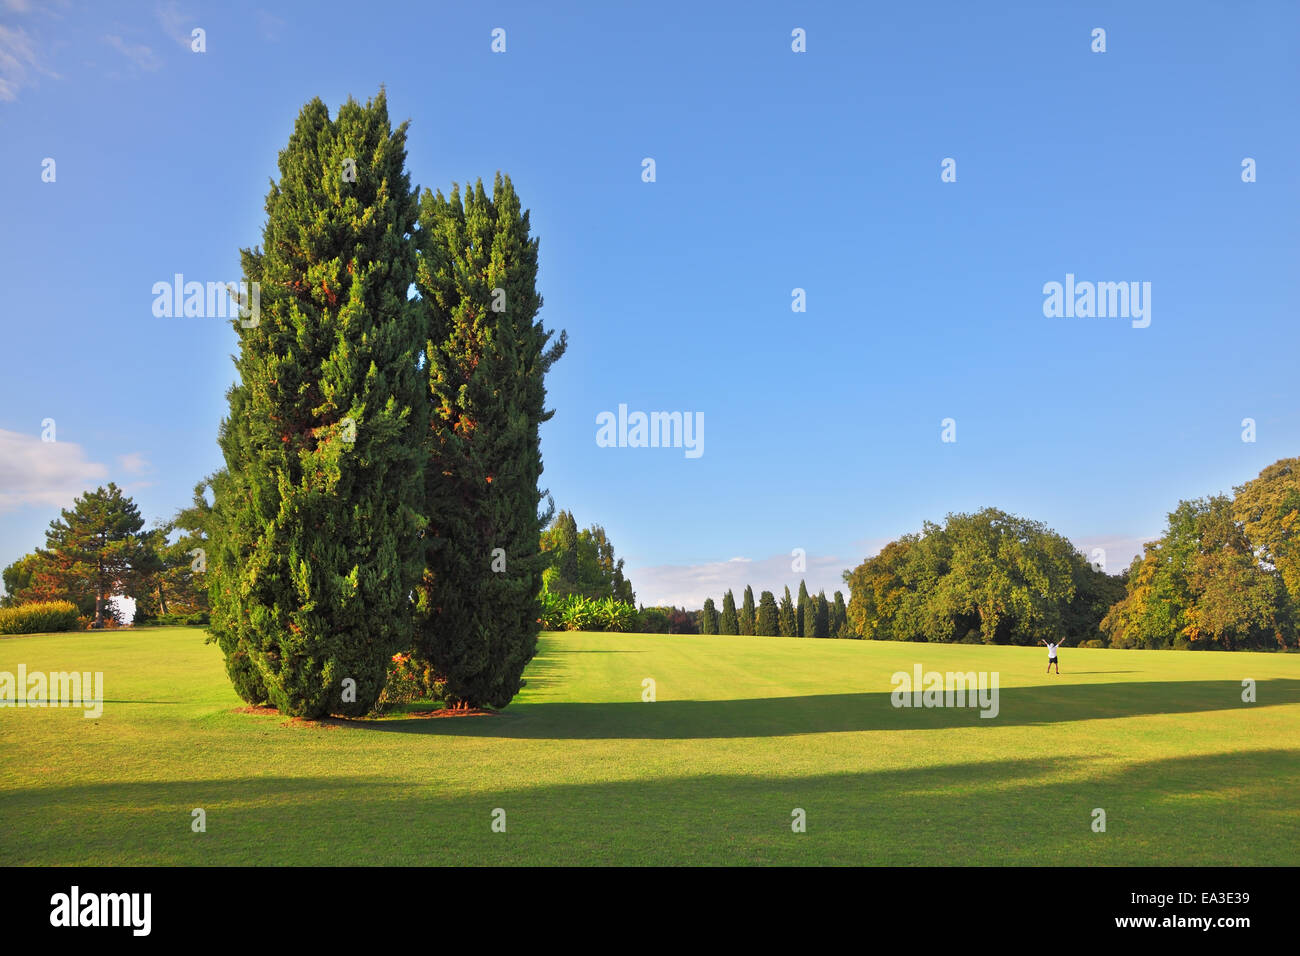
{"x":808,"y":617}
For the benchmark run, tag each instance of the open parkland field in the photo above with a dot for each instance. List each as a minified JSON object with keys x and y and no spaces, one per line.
{"x":742,"y":732}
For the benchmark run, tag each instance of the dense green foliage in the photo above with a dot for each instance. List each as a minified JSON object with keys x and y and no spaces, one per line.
{"x":574,"y":612}
{"x":988,"y":577}
{"x":747,"y":612}
{"x":582,"y":562}
{"x":36,"y":577}
{"x":94,"y":550}
{"x":804,"y":612}
{"x":767,"y":622}
{"x":729,"y":623}
{"x":787,"y":623}
{"x":486,"y":361}
{"x":175,"y":588}
{"x":315,"y":532}
{"x":839,"y":617}
{"x":1202,"y":586}
{"x":821,"y":616}
{"x":709,"y":618}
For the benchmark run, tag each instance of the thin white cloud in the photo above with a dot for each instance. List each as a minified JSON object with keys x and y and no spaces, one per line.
{"x":869,"y":548}
{"x":176,"y":23}
{"x":18,"y":6}
{"x":1118,"y":550}
{"x":269,"y":25}
{"x":46,"y":474}
{"x":689,"y":584}
{"x":134,"y":463}
{"x":139,"y":54}
{"x":18,"y":61}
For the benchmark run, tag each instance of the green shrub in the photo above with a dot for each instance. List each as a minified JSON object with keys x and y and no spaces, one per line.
{"x":1092,"y":643}
{"x":38,"y":617}
{"x":579,"y":614}
{"x":191,"y":619}
{"x":552,"y":611}
{"x":654,"y":620}
{"x":574,"y":612}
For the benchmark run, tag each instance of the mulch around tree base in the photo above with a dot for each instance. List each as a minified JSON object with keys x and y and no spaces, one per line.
{"x":334,"y":723}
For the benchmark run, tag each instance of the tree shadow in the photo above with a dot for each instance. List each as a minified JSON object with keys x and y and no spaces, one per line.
{"x":1218,"y":809}
{"x":841,"y":713}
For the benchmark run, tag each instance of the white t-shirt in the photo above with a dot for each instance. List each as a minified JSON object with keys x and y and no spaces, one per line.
{"x":1051,"y":650}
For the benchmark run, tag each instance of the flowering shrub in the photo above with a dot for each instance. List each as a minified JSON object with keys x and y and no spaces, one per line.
{"x":409,"y":680}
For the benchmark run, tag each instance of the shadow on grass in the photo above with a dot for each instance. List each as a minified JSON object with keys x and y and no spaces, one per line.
{"x":1222,"y":809}
{"x":837,"y":713}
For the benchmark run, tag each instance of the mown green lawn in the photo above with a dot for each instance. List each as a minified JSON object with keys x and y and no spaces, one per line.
{"x":744,"y":730}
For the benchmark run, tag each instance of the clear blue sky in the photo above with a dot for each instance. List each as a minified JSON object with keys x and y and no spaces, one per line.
{"x":775,"y":170}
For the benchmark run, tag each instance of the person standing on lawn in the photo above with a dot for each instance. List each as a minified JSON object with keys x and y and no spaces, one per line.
{"x":1051,"y":656}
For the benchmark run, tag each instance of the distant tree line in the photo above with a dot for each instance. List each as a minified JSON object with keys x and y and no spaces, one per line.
{"x":99,"y":549}
{"x":988,"y":577}
{"x":809,"y":617}
{"x":1225,"y":575}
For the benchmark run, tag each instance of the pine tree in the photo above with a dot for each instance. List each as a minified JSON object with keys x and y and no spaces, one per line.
{"x":805,"y":612}
{"x":747,"y":612}
{"x":823,"y":616}
{"x":97,"y":549}
{"x":839,"y":617}
{"x":487,"y":358}
{"x":176,"y":583}
{"x":766,"y":624}
{"x":787,"y":622}
{"x":709,"y":618}
{"x":316,"y":526}
{"x":729,"y":623}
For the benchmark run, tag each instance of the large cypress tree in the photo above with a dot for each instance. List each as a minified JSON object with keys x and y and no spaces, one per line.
{"x":709,"y":618}
{"x":822,"y":616}
{"x":315,"y":534}
{"x":786,"y":621}
{"x":747,"y":612}
{"x":486,"y":357}
{"x":729,"y":623}
{"x":766,"y":623}
{"x":805,"y":611}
